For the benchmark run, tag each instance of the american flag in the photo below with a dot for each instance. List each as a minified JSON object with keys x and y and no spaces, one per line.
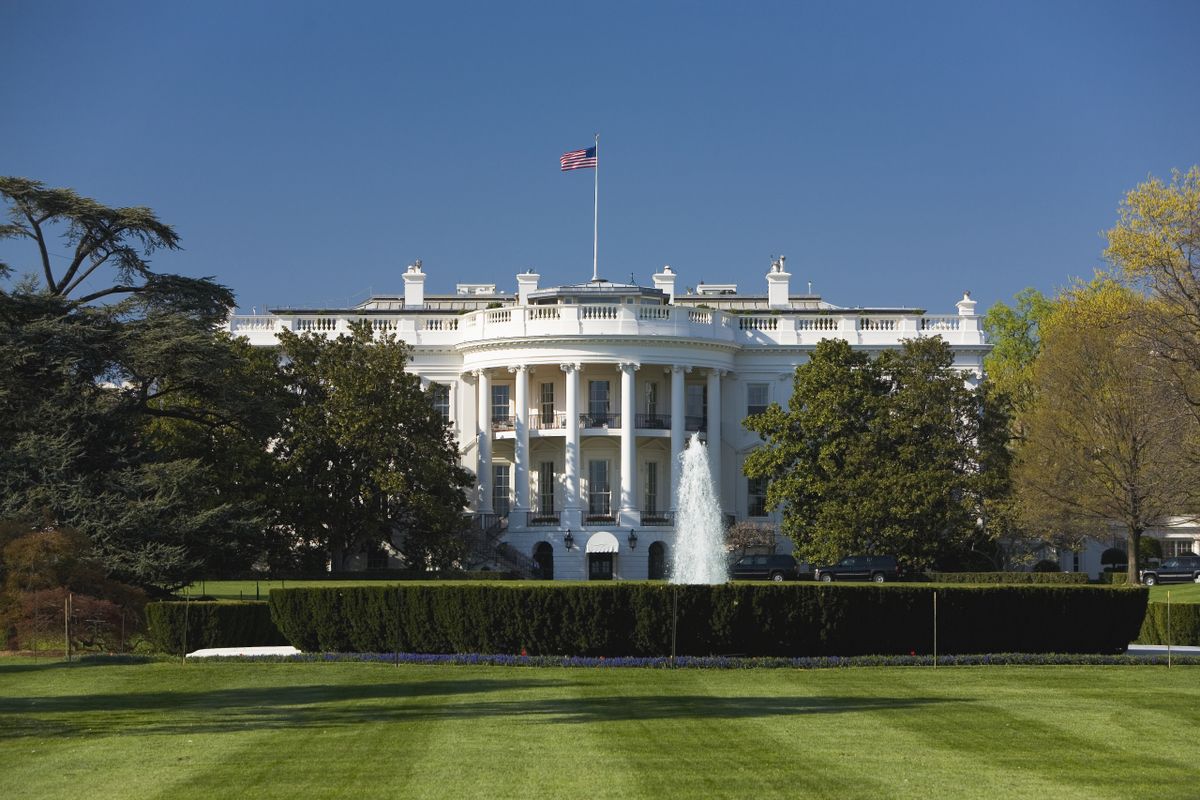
{"x":579,"y":159}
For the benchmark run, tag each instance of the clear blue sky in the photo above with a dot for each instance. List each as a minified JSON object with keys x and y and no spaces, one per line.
{"x":898,"y":153}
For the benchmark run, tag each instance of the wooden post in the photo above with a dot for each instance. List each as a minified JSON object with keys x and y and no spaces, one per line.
{"x":1168,"y":629}
{"x":67,"y":625}
{"x":935,"y":629}
{"x":674,"y":621}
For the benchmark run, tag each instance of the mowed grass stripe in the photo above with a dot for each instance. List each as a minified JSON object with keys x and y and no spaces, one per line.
{"x":343,"y":730}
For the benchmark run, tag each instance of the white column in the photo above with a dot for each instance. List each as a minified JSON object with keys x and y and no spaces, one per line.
{"x":678,"y":428}
{"x":628,"y":510}
{"x":521,"y":447}
{"x":714,"y":431}
{"x":574,"y":504}
{"x":483,"y":468}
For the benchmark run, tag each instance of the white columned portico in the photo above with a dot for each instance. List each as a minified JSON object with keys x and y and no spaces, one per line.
{"x":629,"y":514}
{"x":483,"y":468}
{"x":678,"y":428}
{"x":573,"y":514}
{"x":521,"y":446}
{"x":714,"y":431}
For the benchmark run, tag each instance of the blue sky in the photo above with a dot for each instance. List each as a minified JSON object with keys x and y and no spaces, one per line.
{"x":898,"y":153}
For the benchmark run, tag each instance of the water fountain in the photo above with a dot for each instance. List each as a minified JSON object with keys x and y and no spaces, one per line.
{"x":699,"y":530}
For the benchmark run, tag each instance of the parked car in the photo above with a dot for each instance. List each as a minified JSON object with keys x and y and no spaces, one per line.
{"x":1180,"y":569}
{"x":861,"y":568}
{"x":771,"y":568}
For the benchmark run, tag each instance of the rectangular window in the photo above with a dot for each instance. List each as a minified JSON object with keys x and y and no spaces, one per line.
{"x":439,"y":395}
{"x":650,"y":508}
{"x":546,"y":488}
{"x":651,"y":399}
{"x":598,"y":398}
{"x":599,"y":494}
{"x":547,"y":405}
{"x":757,"y":397}
{"x":500,"y":404}
{"x":696,"y":400}
{"x":756,"y":497}
{"x":500,"y":489}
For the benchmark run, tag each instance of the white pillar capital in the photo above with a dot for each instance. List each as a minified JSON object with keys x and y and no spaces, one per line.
{"x":569,"y":367}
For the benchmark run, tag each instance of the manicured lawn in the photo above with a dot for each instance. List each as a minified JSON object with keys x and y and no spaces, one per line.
{"x":1180,"y":593}
{"x":257,"y":590}
{"x":374,"y":730}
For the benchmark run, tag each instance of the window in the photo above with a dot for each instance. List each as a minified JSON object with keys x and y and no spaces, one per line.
{"x":500,"y":489}
{"x":651,"y":391}
{"x":500,"y":403}
{"x":757,"y":397}
{"x":650,"y":508}
{"x":756,"y":497}
{"x":598,"y":398}
{"x":599,"y":494}
{"x":546,"y":488}
{"x":696,"y":400}
{"x":439,"y":395}
{"x":547,"y":404}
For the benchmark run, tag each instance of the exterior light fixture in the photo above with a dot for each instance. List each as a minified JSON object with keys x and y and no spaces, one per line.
{"x":568,"y":540}
{"x":633,"y":539}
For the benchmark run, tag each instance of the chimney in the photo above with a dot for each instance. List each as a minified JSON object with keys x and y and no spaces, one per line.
{"x":778,"y":285}
{"x":665,"y":281}
{"x":526,"y":282}
{"x":414,"y":286}
{"x":966,"y":306}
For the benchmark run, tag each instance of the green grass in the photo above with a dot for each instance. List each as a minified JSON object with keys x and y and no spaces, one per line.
{"x":1180,"y":593}
{"x":373,"y":730}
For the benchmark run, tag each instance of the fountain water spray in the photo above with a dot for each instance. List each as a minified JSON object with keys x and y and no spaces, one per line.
{"x":699,"y":529}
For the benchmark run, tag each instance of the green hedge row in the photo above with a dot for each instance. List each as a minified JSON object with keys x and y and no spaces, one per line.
{"x":1008,"y":577}
{"x":1114,"y":578}
{"x":745,"y":619}
{"x":210,"y":624}
{"x":1183,"y":630}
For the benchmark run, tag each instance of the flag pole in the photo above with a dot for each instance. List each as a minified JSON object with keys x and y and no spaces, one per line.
{"x":596,"y":217}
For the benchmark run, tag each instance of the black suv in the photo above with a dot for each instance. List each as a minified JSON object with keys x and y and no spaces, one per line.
{"x":1180,"y":569}
{"x":773,"y":568}
{"x":861,"y":568}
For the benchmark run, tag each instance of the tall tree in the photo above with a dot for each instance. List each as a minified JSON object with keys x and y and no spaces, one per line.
{"x":86,"y":386}
{"x":367,"y":460}
{"x":887,"y":455}
{"x":1107,"y":435}
{"x":1156,"y":245}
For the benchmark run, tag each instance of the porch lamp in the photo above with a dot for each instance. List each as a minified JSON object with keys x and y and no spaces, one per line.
{"x":568,"y":540}
{"x":633,"y":539}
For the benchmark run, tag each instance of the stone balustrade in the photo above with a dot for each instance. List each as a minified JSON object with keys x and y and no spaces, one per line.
{"x":646,"y":322}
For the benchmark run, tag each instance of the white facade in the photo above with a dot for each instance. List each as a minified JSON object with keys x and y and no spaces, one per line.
{"x":572,"y":404}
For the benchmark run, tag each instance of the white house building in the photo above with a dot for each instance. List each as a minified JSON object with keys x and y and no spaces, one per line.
{"x":573,"y":403}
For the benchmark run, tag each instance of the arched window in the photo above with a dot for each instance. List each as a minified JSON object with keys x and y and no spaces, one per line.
{"x":543,"y":554}
{"x":658,"y":561}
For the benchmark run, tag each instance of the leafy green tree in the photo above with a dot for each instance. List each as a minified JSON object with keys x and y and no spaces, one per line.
{"x":1107,"y":434}
{"x":88,"y":389}
{"x":366,"y":460}
{"x":887,"y":455}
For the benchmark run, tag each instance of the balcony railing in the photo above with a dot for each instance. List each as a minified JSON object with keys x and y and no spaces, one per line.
{"x":500,"y":423}
{"x":544,"y":422}
{"x":659,"y":422}
{"x":657,"y":520}
{"x":603,"y":420}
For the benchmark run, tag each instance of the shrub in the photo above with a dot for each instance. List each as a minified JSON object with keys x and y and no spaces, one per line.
{"x":1115,"y":578}
{"x":1113,"y":556}
{"x":1184,"y":628}
{"x":176,"y":627}
{"x":1008,"y":577}
{"x":1046,"y":565}
{"x":787,"y":620}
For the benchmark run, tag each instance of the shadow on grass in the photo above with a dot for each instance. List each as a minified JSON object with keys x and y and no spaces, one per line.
{"x":23,"y":663}
{"x":324,"y":706}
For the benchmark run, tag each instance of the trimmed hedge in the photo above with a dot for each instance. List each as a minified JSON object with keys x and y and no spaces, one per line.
{"x":210,"y":624}
{"x":1008,"y":577}
{"x":788,"y":620}
{"x":1114,"y":578}
{"x":1184,"y":629}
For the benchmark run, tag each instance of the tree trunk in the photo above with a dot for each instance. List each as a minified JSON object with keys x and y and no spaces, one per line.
{"x":1133,"y":557}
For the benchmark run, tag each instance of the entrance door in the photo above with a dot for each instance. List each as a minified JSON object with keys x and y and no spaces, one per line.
{"x":543,"y":555}
{"x":658,"y":561}
{"x":600,"y":566}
